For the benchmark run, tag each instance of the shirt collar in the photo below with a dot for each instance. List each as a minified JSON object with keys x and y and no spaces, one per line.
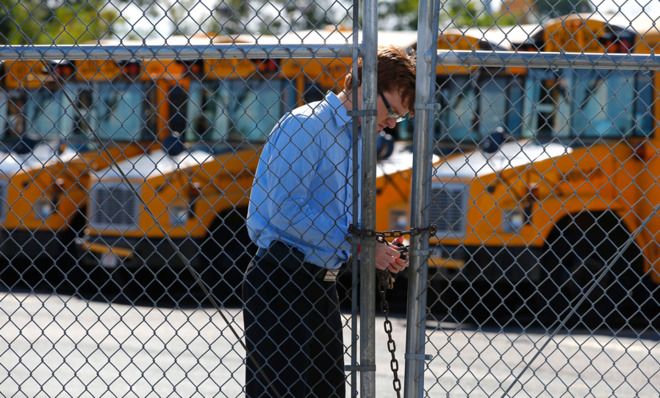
{"x":340,"y":113}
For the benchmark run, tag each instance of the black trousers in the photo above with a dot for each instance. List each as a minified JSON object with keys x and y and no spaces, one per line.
{"x":293,"y":329}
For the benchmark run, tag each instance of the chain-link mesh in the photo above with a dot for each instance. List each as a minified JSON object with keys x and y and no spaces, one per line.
{"x":134,"y":144}
{"x":543,"y":194}
{"x":129,"y":151}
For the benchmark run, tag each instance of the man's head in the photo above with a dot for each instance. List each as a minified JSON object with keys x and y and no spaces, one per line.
{"x":396,"y":85}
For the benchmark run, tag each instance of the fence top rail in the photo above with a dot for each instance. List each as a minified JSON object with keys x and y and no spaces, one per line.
{"x":322,"y":43}
{"x":502,"y":59}
{"x":190,"y":51}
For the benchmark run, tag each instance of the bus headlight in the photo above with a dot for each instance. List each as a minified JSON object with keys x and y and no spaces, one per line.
{"x":178,"y":215}
{"x":514,"y":219}
{"x":43,"y":208}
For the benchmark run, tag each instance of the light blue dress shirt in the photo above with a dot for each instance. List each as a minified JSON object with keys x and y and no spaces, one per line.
{"x":302,"y":192}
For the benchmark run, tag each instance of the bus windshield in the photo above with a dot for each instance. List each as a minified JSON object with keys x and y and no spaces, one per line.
{"x":236,"y":110}
{"x":37,"y":114}
{"x":4,"y":118}
{"x":471,"y":107}
{"x":78,"y":113}
{"x":119,"y":111}
{"x":457,"y":119}
{"x":547,"y":104}
{"x":580,"y":104}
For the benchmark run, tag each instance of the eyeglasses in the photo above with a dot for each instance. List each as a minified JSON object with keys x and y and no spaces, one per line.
{"x":390,"y":112}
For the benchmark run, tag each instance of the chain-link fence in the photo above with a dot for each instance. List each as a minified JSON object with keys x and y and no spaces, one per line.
{"x":191,"y":198}
{"x":543,"y":199}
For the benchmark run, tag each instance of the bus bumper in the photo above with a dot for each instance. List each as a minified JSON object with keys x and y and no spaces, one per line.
{"x":485,"y":264}
{"x":133,"y":253}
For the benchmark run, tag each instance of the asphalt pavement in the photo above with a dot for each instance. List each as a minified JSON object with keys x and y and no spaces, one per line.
{"x":58,"y":345}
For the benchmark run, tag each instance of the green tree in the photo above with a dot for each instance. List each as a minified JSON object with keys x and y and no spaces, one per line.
{"x":54,"y":22}
{"x":398,"y":14}
{"x":229,"y":17}
{"x":461,"y":13}
{"x":407,"y":11}
{"x":301,"y":14}
{"x":465,"y":13}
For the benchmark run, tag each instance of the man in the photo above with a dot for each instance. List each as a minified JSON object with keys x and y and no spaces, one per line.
{"x":299,"y":213}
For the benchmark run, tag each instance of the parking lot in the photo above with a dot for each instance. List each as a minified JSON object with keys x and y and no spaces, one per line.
{"x":59,"y":344}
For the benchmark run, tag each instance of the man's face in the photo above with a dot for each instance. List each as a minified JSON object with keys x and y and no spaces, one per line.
{"x":390,"y":110}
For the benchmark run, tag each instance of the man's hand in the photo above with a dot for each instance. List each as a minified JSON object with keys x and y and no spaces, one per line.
{"x":388,"y":258}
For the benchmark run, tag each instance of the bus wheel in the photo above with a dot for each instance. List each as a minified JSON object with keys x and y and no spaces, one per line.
{"x":8,"y":276}
{"x":587,"y":279}
{"x":227,"y":253}
{"x":72,"y":274}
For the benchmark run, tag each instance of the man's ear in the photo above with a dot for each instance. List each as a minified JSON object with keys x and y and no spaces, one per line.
{"x":348,"y":81}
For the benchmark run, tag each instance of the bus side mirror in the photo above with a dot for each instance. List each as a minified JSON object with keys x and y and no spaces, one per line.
{"x":173,"y":144}
{"x":493,"y":141}
{"x":384,"y":146}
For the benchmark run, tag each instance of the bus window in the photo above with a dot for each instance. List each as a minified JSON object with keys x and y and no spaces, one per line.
{"x":458,"y":110}
{"x":514,"y":107}
{"x":259,"y":110}
{"x":603,"y":103}
{"x":15,"y":121}
{"x":69,"y":103}
{"x":45,"y":112}
{"x":493,"y":104}
{"x":197,"y":122}
{"x":82,"y":125}
{"x":121,"y":112}
{"x":218,"y":108}
{"x":3,"y":111}
{"x":643,"y":115}
{"x":548,"y":104}
{"x":237,"y":110}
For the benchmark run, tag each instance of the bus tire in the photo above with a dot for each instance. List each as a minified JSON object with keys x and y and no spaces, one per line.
{"x":227,"y":252}
{"x":72,"y":273}
{"x":587,"y":283}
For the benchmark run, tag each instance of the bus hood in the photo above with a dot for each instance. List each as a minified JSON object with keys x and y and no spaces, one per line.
{"x":400,"y":160}
{"x":155,"y":164}
{"x":510,"y":155}
{"x":42,"y":155}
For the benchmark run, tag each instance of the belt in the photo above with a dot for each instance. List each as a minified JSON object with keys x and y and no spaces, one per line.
{"x":293,"y":259}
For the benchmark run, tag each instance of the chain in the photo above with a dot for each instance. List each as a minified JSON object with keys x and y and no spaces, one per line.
{"x":386,"y":282}
{"x":395,"y":233}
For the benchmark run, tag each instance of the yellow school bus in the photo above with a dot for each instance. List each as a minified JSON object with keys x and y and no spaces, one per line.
{"x":472,"y":103}
{"x":65,"y":121}
{"x":198,"y":196}
{"x":197,"y":188}
{"x":557,"y":204}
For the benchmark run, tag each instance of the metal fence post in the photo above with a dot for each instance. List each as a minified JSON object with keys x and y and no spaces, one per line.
{"x":368,"y":173}
{"x":422,"y":157}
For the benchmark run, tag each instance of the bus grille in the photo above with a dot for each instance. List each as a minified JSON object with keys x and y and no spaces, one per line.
{"x":114,"y":206}
{"x":448,"y":209}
